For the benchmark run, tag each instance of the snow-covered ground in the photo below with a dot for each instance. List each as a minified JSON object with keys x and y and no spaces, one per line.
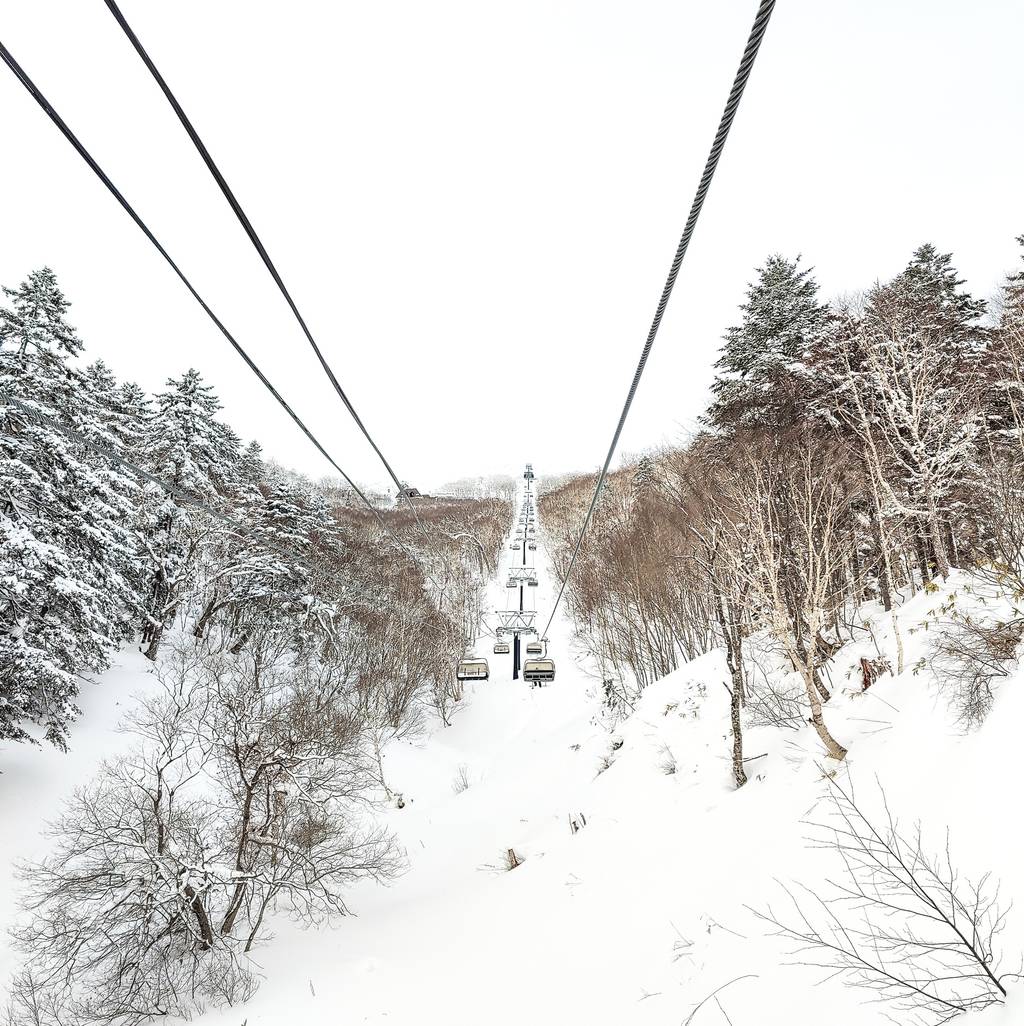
{"x":646,"y":910}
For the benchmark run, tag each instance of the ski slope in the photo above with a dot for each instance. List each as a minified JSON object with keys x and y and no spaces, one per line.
{"x":645,"y":911}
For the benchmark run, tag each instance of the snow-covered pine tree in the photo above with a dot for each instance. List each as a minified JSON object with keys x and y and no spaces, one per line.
{"x":920,"y":384}
{"x":258,"y":583}
{"x":122,"y":409}
{"x":1005,"y":394}
{"x":761,"y":370}
{"x":925,"y":301}
{"x":1013,"y":296}
{"x":67,"y":596}
{"x":187,"y":447}
{"x":643,"y":476}
{"x":251,"y":469}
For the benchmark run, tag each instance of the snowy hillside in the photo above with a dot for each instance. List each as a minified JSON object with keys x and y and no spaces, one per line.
{"x":644,"y":908}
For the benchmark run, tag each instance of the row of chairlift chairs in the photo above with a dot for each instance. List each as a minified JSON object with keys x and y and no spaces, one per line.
{"x":535,"y":671}
{"x":525,"y":532}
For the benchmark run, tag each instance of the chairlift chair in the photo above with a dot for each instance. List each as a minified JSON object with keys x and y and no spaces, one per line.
{"x":501,"y":648}
{"x":533,"y":546}
{"x":537,"y":671}
{"x":531,"y":582}
{"x":534,"y":648}
{"x":472,"y":669}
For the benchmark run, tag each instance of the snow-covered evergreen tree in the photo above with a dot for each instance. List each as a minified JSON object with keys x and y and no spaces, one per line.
{"x":122,"y":409}
{"x":926,"y":302}
{"x":187,"y":447}
{"x":643,"y":476}
{"x":67,"y":596}
{"x":251,"y":469}
{"x":1005,"y":372}
{"x":260,"y":577}
{"x":1012,"y":316}
{"x":761,"y":370}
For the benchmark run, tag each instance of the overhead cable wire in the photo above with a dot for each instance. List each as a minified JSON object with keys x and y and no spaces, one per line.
{"x":65,"y":130}
{"x":258,"y":245}
{"x":757,"y":32}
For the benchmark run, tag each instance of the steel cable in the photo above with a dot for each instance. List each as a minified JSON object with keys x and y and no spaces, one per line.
{"x":65,"y":130}
{"x":757,"y":32}
{"x":258,"y":244}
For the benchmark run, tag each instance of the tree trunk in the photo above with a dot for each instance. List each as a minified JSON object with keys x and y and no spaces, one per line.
{"x":739,"y":774}
{"x":938,"y":547}
{"x":202,"y":918}
{"x":832,"y":746}
{"x":156,"y":633}
{"x":950,"y":542}
{"x":922,"y":558}
{"x":211,"y":608}
{"x":733,"y":656}
{"x":885,"y":583}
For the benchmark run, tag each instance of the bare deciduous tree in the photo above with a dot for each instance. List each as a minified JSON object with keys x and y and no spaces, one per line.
{"x":794,"y":537}
{"x":244,"y":793}
{"x":900,"y":922}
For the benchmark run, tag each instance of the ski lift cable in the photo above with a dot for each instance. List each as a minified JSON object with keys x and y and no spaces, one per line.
{"x":757,"y":32}
{"x":260,"y":248}
{"x":65,"y":130}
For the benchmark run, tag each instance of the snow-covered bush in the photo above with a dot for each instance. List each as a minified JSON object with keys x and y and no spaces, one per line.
{"x":246,"y":792}
{"x":968,"y":655}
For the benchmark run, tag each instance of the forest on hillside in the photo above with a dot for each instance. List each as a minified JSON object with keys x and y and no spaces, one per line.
{"x":293,"y":633}
{"x":852,"y":452}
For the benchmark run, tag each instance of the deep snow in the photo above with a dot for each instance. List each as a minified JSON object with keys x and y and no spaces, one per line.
{"x":646,"y":910}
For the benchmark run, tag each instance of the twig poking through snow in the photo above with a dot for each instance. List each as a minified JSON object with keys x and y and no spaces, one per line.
{"x":714,"y":994}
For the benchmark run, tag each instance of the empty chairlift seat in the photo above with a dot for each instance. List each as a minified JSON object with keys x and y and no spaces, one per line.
{"x":501,"y":648}
{"x":534,"y":648}
{"x":538,"y":670}
{"x":472,"y":669}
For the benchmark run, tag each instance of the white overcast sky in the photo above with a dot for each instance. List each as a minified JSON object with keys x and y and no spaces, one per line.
{"x":475,"y":203}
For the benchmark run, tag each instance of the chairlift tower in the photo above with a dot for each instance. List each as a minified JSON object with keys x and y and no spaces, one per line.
{"x":517,"y":622}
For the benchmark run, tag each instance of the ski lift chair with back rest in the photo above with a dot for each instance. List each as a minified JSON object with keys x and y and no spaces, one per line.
{"x":538,"y":671}
{"x":472,"y":669}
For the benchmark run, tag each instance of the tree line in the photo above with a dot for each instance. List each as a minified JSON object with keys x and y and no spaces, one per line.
{"x":851,"y":451}
{"x":292,"y":639}
{"x":92,"y":558}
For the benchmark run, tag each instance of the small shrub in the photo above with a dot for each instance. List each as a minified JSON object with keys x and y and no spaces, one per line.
{"x":968,"y":656}
{"x":461,"y":782}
